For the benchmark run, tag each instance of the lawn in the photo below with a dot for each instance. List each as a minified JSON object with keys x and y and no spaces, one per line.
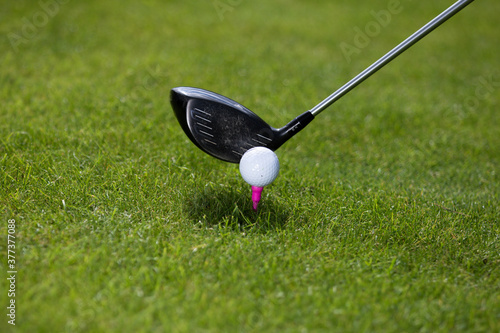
{"x":385,"y":215}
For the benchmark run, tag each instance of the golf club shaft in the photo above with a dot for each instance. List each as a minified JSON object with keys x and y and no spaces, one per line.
{"x":403,"y":46}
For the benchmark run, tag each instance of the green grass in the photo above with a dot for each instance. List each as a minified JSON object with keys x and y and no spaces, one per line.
{"x":385,"y":216}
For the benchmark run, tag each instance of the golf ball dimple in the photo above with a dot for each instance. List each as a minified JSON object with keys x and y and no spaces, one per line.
{"x":259,"y":166}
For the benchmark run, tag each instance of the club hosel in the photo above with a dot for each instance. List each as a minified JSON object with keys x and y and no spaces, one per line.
{"x":295,"y":126}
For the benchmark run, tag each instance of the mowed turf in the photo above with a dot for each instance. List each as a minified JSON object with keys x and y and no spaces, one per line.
{"x":384,"y":217}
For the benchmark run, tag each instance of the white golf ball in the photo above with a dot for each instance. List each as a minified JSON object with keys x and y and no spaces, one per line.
{"x":259,"y":166}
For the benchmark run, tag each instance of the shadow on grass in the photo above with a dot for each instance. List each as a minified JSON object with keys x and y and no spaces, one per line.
{"x":228,"y":207}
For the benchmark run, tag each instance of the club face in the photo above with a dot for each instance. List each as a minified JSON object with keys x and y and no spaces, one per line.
{"x":220,"y":126}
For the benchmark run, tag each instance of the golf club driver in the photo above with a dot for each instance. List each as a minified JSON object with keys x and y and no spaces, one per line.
{"x":226,"y":129}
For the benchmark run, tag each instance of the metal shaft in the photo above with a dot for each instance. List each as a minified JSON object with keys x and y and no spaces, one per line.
{"x":403,"y":46}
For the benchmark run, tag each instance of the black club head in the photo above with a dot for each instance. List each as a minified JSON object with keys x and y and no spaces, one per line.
{"x":224,"y":128}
